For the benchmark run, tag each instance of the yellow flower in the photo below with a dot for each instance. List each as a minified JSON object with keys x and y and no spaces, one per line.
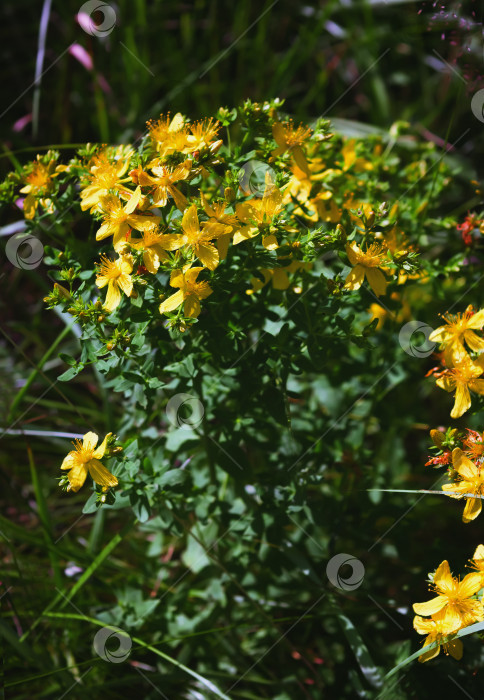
{"x":464,"y":376}
{"x":221,"y":225}
{"x":153,"y":245}
{"x":477,"y":561}
{"x":470,"y":480}
{"x":202,"y":135}
{"x":351,"y":161}
{"x":117,"y":275}
{"x":38,"y":183}
{"x":196,"y":239}
{"x":106,"y":172}
{"x":85,"y":458}
{"x":291,"y":138}
{"x":459,"y":329}
{"x":366,"y":263}
{"x":118,"y":220}
{"x":277,"y":275}
{"x":258,"y":214}
{"x":163,"y":182}
{"x":454,"y":601}
{"x":189,"y":294}
{"x":168,"y":135}
{"x":437,"y":631}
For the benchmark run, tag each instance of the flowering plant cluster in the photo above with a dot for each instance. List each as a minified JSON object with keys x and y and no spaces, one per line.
{"x":238,"y":287}
{"x":457,"y":605}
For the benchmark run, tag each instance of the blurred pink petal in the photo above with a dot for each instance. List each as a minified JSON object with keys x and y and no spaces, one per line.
{"x":80,"y":54}
{"x":22,"y":122}
{"x":103,"y":84}
{"x":20,"y":203}
{"x":85,"y":22}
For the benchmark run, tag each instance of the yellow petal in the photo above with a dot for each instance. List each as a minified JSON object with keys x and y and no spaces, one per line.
{"x":352,"y":251}
{"x":90,"y":441}
{"x":472,"y":510}
{"x":452,"y":620}
{"x":30,"y":205}
{"x":455,"y":648}
{"x":462,"y":400}
{"x":423,"y":625}
{"x":470,"y":584}
{"x":270,"y":242}
{"x":190,"y":220}
{"x":77,"y":476}
{"x":126,"y":284}
{"x":430,"y":607}
{"x":473,"y":341}
{"x":191,"y":307}
{"x":280,"y":280}
{"x":298,"y":155}
{"x":180,"y":199}
{"x":479,"y":553}
{"x":440,"y":335}
{"x":151,"y":261}
{"x":172,"y":302}
{"x":278,"y":133}
{"x":192,"y":274}
{"x":457,"y":490}
{"x":133,"y":202}
{"x":376,"y":280}
{"x":463,"y":465}
{"x":99,"y":452}
{"x":71,"y":460}
{"x":477,"y":385}
{"x":177,"y":278}
{"x":476,"y":322}
{"x":100,"y":474}
{"x":104,"y":231}
{"x":223,"y":243}
{"x":430,"y":654}
{"x":442,"y":576}
{"x":355,"y":278}
{"x":446,"y":383}
{"x":208,"y":255}
{"x":113,"y":297}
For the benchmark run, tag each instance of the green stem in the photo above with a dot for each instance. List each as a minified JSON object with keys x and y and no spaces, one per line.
{"x":36,"y":371}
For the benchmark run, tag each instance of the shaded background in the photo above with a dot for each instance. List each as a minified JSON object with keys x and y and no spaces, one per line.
{"x":370,"y":62}
{"x":376,"y":62}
